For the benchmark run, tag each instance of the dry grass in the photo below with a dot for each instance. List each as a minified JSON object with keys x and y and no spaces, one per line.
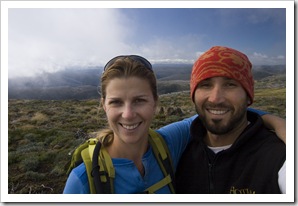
{"x":39,"y":118}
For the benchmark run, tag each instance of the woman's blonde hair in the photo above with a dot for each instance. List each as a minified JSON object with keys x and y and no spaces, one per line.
{"x":124,"y":67}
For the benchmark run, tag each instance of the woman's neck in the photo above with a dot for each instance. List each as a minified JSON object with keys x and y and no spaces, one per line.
{"x":134,"y":152}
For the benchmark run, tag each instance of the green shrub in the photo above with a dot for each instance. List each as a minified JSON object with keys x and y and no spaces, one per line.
{"x":47,"y":156}
{"x":13,"y":157}
{"x":31,"y":136}
{"x":29,"y":148}
{"x":30,"y":164}
{"x":58,"y":171}
{"x":34,"y":176}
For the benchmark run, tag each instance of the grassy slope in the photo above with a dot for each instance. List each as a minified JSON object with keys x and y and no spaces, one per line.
{"x":42,"y":133}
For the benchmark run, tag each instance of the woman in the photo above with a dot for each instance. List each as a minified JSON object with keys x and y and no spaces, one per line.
{"x":129,"y":99}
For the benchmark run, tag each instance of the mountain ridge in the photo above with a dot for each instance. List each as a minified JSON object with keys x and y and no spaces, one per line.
{"x":82,"y":83}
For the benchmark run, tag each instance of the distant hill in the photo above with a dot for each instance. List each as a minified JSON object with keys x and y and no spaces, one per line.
{"x":168,"y":72}
{"x":82,"y":83}
{"x":260,"y":72}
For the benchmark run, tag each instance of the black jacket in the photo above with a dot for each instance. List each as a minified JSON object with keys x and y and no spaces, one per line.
{"x":250,"y":165}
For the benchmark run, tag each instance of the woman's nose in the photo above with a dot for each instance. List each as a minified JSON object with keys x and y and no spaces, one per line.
{"x":128,"y":112}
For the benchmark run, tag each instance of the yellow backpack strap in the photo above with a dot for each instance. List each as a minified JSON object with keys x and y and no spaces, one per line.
{"x":76,"y":158}
{"x":92,"y":143}
{"x":106,"y":171}
{"x":103,"y":172}
{"x":165,"y":181}
{"x":164,"y":160}
{"x":87,"y":154}
{"x":100,"y":181}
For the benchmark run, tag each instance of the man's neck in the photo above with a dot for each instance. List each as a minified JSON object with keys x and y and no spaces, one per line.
{"x":215,"y":140}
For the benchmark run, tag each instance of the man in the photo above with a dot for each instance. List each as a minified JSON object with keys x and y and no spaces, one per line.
{"x":231,"y":151}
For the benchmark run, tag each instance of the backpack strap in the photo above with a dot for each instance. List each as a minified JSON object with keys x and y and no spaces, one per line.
{"x":106,"y":167}
{"x":76,"y":158}
{"x":165,"y":181}
{"x":86,"y":156}
{"x":95,"y":170}
{"x":88,"y":152}
{"x":101,"y":173}
{"x":163,"y":157}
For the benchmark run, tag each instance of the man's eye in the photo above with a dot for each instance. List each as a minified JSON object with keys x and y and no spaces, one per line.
{"x":139,"y":101}
{"x":231,"y":84}
{"x":204,"y":85}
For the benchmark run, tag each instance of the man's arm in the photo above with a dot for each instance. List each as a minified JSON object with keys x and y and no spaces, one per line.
{"x":273,"y":122}
{"x":277,"y":124}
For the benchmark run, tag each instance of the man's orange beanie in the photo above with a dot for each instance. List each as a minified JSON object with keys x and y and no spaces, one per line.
{"x":223,"y":62}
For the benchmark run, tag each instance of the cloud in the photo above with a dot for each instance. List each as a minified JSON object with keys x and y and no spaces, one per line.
{"x":180,"y":49}
{"x":51,"y":39}
{"x":259,"y":55}
{"x":281,"y":57}
{"x":263,"y":59}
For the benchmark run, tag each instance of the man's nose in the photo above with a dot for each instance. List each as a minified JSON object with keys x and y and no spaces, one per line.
{"x":216,"y":95}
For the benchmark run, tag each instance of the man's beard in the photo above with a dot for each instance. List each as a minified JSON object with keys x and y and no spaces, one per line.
{"x":222,"y":126}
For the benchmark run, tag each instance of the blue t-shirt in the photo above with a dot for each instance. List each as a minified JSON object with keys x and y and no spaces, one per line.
{"x":128,"y":180}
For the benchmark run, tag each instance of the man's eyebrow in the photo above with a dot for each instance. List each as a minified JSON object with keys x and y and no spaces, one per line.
{"x":206,"y":80}
{"x":141,"y":96}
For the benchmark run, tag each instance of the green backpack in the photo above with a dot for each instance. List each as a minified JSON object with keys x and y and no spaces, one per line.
{"x":100,"y":170}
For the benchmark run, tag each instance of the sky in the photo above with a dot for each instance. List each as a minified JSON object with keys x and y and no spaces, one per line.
{"x":51,"y":39}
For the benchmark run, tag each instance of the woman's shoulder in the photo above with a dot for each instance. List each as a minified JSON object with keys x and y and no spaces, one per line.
{"x":79,"y":174}
{"x":80,"y":170}
{"x":77,"y":182}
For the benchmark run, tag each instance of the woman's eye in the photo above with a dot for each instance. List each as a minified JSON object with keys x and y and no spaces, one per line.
{"x":115,"y":102}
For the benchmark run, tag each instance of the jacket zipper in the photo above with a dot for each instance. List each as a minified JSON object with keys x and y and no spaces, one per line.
{"x":211,"y":185}
{"x":211,"y":165}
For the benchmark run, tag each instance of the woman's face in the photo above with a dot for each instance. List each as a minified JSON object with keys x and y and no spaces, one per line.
{"x":130,"y":108}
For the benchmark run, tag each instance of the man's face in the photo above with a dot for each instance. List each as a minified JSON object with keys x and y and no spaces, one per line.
{"x":221,"y":103}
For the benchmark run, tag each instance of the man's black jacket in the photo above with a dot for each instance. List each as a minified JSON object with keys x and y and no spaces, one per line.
{"x":249,"y":166}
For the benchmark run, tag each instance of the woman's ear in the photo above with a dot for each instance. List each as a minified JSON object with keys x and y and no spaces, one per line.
{"x":102,"y":102}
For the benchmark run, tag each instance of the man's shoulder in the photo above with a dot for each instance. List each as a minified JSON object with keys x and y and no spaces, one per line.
{"x":260,"y":130}
{"x":267,"y":143}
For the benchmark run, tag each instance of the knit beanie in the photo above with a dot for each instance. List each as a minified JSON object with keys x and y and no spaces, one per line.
{"x":223,"y":62}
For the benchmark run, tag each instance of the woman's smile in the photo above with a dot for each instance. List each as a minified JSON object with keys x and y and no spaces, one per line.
{"x":130,"y":126}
